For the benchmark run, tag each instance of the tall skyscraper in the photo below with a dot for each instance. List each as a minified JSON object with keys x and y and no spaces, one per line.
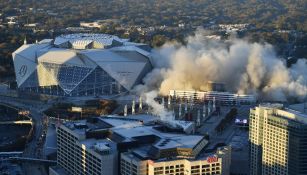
{"x":278,"y":141}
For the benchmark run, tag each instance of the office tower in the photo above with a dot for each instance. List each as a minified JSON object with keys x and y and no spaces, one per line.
{"x":278,"y":141}
{"x":79,"y":154}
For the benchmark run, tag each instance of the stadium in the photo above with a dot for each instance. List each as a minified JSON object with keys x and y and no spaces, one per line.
{"x":81,"y":65}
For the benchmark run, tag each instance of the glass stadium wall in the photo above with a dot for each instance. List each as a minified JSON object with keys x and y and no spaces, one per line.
{"x":72,"y":81}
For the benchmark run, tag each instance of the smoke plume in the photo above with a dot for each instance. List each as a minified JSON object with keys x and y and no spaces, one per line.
{"x":157,"y":109}
{"x":245,"y":68}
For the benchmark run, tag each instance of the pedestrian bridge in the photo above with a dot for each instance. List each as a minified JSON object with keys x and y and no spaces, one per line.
{"x":9,"y":106}
{"x":34,"y":160}
{"x":20,"y":122}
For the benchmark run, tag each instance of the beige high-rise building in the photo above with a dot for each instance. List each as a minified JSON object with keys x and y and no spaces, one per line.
{"x":217,"y":164}
{"x":278,"y":138}
{"x":78,"y":154}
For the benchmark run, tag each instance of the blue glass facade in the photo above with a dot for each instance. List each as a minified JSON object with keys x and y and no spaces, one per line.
{"x":68,"y":76}
{"x":74,"y":81}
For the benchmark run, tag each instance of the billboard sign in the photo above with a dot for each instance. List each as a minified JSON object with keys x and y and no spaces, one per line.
{"x":212,"y":159}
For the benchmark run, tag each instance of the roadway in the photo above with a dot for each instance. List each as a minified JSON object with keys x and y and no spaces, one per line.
{"x":238,"y":138}
{"x":32,"y":149}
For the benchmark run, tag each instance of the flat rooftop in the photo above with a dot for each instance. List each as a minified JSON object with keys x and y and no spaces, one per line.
{"x":137,"y":129}
{"x":99,"y":145}
{"x":301,"y":107}
{"x":292,"y":113}
{"x":167,"y":140}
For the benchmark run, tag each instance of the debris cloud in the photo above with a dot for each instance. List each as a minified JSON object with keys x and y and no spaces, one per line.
{"x":245,"y":68}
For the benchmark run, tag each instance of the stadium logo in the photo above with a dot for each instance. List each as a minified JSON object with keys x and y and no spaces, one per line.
{"x":23,"y":70}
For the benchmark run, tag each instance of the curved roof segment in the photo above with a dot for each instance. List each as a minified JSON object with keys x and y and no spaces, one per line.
{"x":124,"y":61}
{"x":86,"y":41}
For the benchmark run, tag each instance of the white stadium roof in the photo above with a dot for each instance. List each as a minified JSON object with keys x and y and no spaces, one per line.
{"x":81,"y":41}
{"x":67,"y":57}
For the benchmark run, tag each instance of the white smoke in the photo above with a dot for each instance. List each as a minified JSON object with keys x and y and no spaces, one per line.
{"x":244,"y":67}
{"x":157,"y":109}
